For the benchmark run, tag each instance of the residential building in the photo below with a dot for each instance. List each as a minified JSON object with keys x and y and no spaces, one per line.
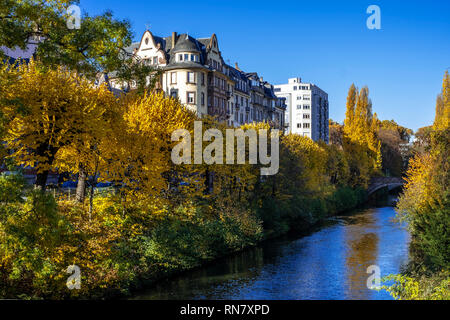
{"x":307,"y":112}
{"x":194,"y":71}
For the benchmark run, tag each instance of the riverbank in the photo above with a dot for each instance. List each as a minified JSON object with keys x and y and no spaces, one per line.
{"x":279,"y":218}
{"x":328,"y":262}
{"x":119,"y":254}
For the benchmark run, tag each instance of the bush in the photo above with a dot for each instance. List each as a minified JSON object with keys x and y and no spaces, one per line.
{"x":11,"y":188}
{"x":435,"y":287}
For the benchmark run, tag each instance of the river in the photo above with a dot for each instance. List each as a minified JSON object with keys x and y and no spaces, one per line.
{"x":328,"y":264}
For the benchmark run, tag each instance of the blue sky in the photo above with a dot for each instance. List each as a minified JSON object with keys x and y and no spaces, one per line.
{"x":323,"y":42}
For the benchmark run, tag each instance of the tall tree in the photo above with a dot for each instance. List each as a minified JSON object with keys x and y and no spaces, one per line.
{"x":47,"y":110}
{"x":97,"y":47}
{"x":351,"y":101}
{"x":360,"y":136}
{"x":443,"y":105}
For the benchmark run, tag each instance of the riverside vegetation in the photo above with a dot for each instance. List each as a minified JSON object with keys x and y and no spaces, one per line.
{"x":158,"y":218}
{"x":425,"y":206}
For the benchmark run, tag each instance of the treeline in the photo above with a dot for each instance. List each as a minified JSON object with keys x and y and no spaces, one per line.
{"x":159,"y":217}
{"x":425,"y":206}
{"x":380,"y":147}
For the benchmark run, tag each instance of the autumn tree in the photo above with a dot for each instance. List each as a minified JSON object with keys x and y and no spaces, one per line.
{"x":46,"y":110}
{"x":137,"y":152}
{"x":336,"y":133}
{"x":97,"y":47}
{"x":361,"y":143}
{"x":442,"y":119}
{"x":425,"y":202}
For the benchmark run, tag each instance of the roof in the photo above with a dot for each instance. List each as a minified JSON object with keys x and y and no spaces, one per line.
{"x":182,"y":65}
{"x":185,"y":43}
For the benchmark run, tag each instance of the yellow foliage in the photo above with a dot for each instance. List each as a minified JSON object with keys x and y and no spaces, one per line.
{"x":48,"y":109}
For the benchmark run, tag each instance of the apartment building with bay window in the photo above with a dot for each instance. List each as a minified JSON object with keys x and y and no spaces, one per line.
{"x":194,"y":71}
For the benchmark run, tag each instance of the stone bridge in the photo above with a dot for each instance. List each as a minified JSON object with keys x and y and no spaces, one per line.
{"x":384,"y":182}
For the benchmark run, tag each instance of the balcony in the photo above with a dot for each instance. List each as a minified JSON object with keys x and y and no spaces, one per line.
{"x":247,"y":109}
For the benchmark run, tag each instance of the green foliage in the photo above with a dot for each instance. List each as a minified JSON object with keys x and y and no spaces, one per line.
{"x":11,"y":187}
{"x":431,"y":226}
{"x":97,"y":47}
{"x":29,"y":232}
{"x":300,"y":212}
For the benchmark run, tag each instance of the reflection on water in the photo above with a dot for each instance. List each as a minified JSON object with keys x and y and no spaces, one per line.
{"x":331,"y":263}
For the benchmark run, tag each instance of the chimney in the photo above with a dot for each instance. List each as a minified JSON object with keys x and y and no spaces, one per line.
{"x":174,"y":39}
{"x":236,"y":66}
{"x":261,"y":79}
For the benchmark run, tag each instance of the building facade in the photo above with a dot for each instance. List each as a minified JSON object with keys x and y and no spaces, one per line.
{"x":307,"y":111}
{"x":194,"y":71}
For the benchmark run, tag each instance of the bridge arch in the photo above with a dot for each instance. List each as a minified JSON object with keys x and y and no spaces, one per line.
{"x":384,"y":182}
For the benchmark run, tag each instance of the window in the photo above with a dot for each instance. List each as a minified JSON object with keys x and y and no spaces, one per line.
{"x":203,"y":79}
{"x":299,"y":107}
{"x":180,"y":57}
{"x":306,"y":126}
{"x":306,"y":116}
{"x":299,"y":125}
{"x":306,"y":107}
{"x":191,"y":97}
{"x":277,"y":90}
{"x":203,"y":99}
{"x":191,"y":77}
{"x":173,"y":77}
{"x":295,"y":88}
{"x":186,"y":57}
{"x":307,"y":97}
{"x":299,"y":98}
{"x":155,"y":60}
{"x":174,"y":93}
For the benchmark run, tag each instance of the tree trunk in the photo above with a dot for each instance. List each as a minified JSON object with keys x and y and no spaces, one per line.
{"x":81,"y":184}
{"x":41,"y":180}
{"x":47,"y":151}
{"x":91,"y":201}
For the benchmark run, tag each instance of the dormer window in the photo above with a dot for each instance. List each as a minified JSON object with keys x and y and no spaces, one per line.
{"x":188,"y":57}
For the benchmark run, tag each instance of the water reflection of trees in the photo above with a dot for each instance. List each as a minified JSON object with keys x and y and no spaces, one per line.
{"x":362,"y":251}
{"x":217,"y":280}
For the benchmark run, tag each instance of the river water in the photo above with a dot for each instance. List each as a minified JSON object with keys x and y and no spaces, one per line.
{"x":329,"y":264}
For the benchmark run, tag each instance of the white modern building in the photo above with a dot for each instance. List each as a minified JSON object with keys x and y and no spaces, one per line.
{"x":307,"y":111}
